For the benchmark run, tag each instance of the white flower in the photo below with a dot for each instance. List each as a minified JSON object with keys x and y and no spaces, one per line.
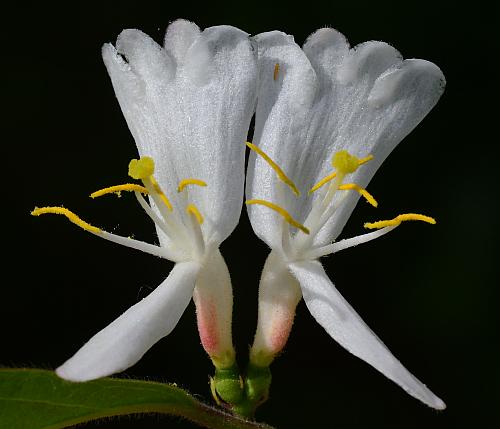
{"x":327,"y":116}
{"x":188,"y":105}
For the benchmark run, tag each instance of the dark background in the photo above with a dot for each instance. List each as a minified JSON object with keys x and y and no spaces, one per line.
{"x":431,"y":293}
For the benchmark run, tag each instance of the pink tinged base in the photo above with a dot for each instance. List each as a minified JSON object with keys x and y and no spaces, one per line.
{"x":213,"y":298}
{"x":279,"y":294}
{"x":206,"y":316}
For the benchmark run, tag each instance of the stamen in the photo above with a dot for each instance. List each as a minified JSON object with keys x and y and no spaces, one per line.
{"x":328,"y":178}
{"x":364,"y":160}
{"x":282,"y":212}
{"x":348,"y":243}
{"x":322,"y":182}
{"x":183,"y":183}
{"x":398,"y":219}
{"x":191,"y":209}
{"x":276,"y":71}
{"x":141,"y":168}
{"x":118,"y":189}
{"x":281,"y":175}
{"x":69,"y":214}
{"x":352,"y":186}
{"x":159,"y":191}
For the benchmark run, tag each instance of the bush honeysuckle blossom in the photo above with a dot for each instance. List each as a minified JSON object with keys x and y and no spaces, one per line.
{"x":188,"y":106}
{"x":327,"y":116}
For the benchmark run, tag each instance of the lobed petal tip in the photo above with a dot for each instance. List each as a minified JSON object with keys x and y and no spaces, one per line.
{"x":273,"y":38}
{"x":326,"y":36}
{"x":409,"y":76}
{"x":369,"y":58}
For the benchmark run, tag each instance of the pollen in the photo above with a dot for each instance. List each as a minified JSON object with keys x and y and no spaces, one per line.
{"x":398,"y":219}
{"x":69,"y":214}
{"x":183,"y":183}
{"x":282,"y":212}
{"x":192,"y":209}
{"x":344,"y":162}
{"x":141,"y":168}
{"x":363,"y":192}
{"x":281,"y":174}
{"x":119,"y":188}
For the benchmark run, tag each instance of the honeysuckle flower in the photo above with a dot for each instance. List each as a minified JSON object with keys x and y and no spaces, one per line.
{"x":327,"y":116}
{"x":188,"y":106}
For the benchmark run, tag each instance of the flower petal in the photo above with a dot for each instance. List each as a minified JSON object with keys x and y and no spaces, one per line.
{"x":192,"y":119}
{"x":364,"y":100}
{"x":398,"y":100}
{"x":283,"y":109}
{"x":345,"y":326}
{"x":122,"y":343}
{"x":179,"y":37}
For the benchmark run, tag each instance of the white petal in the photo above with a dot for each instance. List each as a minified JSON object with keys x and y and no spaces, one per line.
{"x":179,"y":37}
{"x":146,"y":58}
{"x":365,"y":100}
{"x":122,"y":343}
{"x":194,"y":120}
{"x":398,"y":100}
{"x":282,"y":111}
{"x":345,"y":326}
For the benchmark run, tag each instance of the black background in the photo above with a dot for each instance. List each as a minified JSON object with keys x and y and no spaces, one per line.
{"x":431,"y":293}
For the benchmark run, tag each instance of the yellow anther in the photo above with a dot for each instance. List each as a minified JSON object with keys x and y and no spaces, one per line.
{"x":141,"y":168}
{"x":282,"y":212}
{"x":344,"y":162}
{"x":191,"y":209}
{"x":282,"y":176}
{"x":398,"y":219}
{"x":323,"y":182}
{"x":183,"y":183}
{"x":119,"y":188}
{"x":352,"y":186}
{"x":69,"y":214}
{"x":276,"y":71}
{"x":158,"y":190}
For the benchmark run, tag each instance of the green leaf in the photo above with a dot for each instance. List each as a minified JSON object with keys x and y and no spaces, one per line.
{"x":38,"y":399}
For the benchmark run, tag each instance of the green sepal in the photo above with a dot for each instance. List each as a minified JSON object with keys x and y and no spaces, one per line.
{"x":228,"y":385}
{"x":257,"y":383}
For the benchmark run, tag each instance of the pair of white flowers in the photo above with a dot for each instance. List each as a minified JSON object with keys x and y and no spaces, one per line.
{"x":326,"y":117}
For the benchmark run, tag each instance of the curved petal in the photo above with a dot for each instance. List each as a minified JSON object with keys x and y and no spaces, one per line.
{"x":345,"y":326}
{"x":395,"y":104}
{"x":122,"y":343}
{"x":364,"y":100}
{"x":193,"y":117}
{"x":283,"y":109}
